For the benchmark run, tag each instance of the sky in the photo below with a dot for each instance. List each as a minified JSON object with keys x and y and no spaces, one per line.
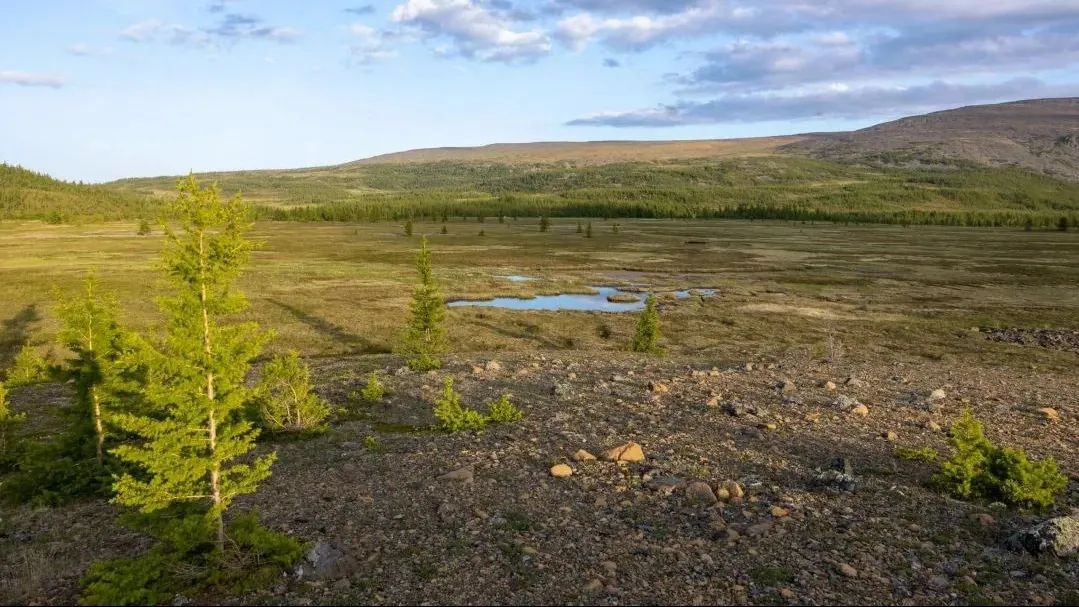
{"x":95,"y":90}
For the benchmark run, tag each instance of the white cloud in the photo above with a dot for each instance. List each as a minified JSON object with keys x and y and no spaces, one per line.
{"x":31,"y":79}
{"x":474,"y":30}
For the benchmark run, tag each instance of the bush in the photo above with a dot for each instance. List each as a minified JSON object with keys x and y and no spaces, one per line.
{"x":980,"y":470}
{"x":453,"y":416}
{"x":144,"y":228}
{"x":925,"y":454}
{"x":29,"y":368}
{"x":255,"y":558}
{"x":284,"y":397}
{"x":502,"y":410}
{"x":374,"y":390}
{"x":424,"y":363}
{"x":371,"y":443}
{"x":8,"y":423}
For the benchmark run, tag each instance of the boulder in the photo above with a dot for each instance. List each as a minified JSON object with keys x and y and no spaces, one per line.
{"x":1056,"y":536}
{"x":629,"y":452}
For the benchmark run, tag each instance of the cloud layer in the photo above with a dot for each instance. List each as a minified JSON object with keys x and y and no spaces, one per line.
{"x":31,"y":79}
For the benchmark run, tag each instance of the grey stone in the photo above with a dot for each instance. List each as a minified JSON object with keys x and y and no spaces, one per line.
{"x":845,"y":403}
{"x":322,"y":561}
{"x":562,"y":390}
{"x":1056,"y":536}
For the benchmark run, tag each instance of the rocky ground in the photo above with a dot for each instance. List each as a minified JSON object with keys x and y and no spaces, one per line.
{"x":1058,"y":339}
{"x":769,"y":482}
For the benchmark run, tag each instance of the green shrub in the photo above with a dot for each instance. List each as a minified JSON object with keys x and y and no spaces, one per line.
{"x":284,"y":397}
{"x":424,"y":363}
{"x":371,"y":443}
{"x":144,"y":228}
{"x":452,"y":414}
{"x":502,"y":410}
{"x":374,"y":390}
{"x":983,"y":471}
{"x":925,"y":454}
{"x":646,"y":339}
{"x":8,"y":423}
{"x":29,"y":368}
{"x":254,"y":558}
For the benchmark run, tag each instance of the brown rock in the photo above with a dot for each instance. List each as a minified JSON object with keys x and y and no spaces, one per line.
{"x":829,"y":385}
{"x":779,"y":511}
{"x":787,"y":593}
{"x":656,"y":386}
{"x":629,"y":452}
{"x":732,"y":488}
{"x":584,"y":456}
{"x":561,"y":471}
{"x":700,"y":492}
{"x":1050,"y":414}
{"x":713,"y":402}
{"x":723,"y":494}
{"x":860,"y":410}
{"x":890,"y":435}
{"x":847,"y":570}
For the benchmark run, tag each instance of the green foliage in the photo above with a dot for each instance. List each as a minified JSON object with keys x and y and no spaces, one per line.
{"x":254,"y":558}
{"x":408,"y":228}
{"x":502,"y":410}
{"x":28,"y":368}
{"x":194,"y":432}
{"x":9,"y":423}
{"x":453,"y":416}
{"x":1062,"y":225}
{"x":28,"y":195}
{"x":102,"y":367}
{"x":144,"y":228}
{"x":588,"y":231}
{"x":284,"y":397}
{"x":646,"y":339}
{"x":371,"y":443}
{"x":374,"y":390}
{"x":544,"y":224}
{"x":425,"y":333}
{"x":925,"y":454}
{"x":983,"y":471}
{"x":444,"y":230}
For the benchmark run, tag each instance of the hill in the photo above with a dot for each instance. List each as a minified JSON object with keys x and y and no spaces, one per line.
{"x":1038,"y":134}
{"x":25,"y":194}
{"x":588,"y":152}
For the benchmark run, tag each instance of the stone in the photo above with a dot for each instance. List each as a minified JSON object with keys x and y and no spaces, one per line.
{"x":890,"y":435}
{"x":476,"y":370}
{"x":584,"y":456}
{"x":854,"y":382}
{"x":713,"y":402}
{"x":561,"y":471}
{"x":1056,"y":536}
{"x":562,"y":390}
{"x":779,"y":511}
{"x":768,"y":426}
{"x":629,"y":452}
{"x":749,"y":366}
{"x":700,"y":492}
{"x":787,"y":593}
{"x":735,"y":409}
{"x":847,"y":570}
{"x":493,"y":365}
{"x":593,"y":586}
{"x":1050,"y":414}
{"x":659,"y":387}
{"x":787,"y":386}
{"x":861,"y":410}
{"x":845,"y":403}
{"x":618,"y":378}
{"x":939,"y":583}
{"x":732,"y":488}
{"x":464,"y":475}
{"x":837,"y":480}
{"x":938,"y":394}
{"x":322,"y":561}
{"x":830,"y":386}
{"x":723,"y":494}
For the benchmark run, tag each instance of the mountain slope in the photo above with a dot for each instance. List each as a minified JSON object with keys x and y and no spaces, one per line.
{"x":1038,"y":134}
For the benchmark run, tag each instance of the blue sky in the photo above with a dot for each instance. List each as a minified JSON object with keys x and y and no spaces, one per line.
{"x":95,"y":90}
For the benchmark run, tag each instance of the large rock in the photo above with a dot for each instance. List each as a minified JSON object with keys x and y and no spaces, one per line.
{"x":845,"y":403}
{"x":629,"y":452}
{"x":561,"y":471}
{"x":700,"y":492}
{"x":321,"y":562}
{"x":1056,"y":536}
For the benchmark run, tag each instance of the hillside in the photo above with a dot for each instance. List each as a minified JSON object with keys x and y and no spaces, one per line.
{"x":25,"y":194}
{"x":1039,"y":134}
{"x":588,"y":152}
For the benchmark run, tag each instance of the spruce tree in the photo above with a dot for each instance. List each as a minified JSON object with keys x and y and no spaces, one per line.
{"x":425,"y":334}
{"x":195,"y":430}
{"x":8,"y":422}
{"x":89,"y":329}
{"x":647,"y":337}
{"x":544,"y":224}
{"x":588,"y":230}
{"x":408,"y":228}
{"x":444,"y":230}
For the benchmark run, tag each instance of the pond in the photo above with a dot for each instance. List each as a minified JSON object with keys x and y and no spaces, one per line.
{"x":596,"y":302}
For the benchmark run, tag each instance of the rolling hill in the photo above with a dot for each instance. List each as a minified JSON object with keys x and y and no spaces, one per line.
{"x":25,"y":194}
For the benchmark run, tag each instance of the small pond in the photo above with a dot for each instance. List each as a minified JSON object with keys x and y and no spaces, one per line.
{"x":596,"y":302}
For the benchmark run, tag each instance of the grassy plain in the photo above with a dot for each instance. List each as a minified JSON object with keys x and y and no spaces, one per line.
{"x":854,"y":291}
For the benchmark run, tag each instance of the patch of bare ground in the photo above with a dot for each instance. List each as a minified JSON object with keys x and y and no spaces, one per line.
{"x":629,"y":533}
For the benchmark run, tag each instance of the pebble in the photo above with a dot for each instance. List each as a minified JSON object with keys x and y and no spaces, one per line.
{"x":830,"y":386}
{"x":890,"y":435}
{"x":700,"y":492}
{"x":787,"y":386}
{"x":561,"y":471}
{"x":629,"y":452}
{"x":779,"y":511}
{"x":938,"y":394}
{"x":584,"y":456}
{"x":787,"y":593}
{"x":732,"y":488}
{"x":593,"y":586}
{"x":845,"y":403}
{"x":860,"y":410}
{"x":465,"y":475}
{"x":847,"y":570}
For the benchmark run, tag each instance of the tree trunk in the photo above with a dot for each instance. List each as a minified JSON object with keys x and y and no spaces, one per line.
{"x":215,"y":468}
